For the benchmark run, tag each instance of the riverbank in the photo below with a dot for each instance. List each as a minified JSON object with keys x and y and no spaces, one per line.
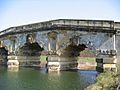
{"x":106,"y":81}
{"x":86,"y":63}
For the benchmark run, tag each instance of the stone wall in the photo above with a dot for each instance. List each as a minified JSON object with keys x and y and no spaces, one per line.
{"x":118,"y":47}
{"x":93,"y":40}
{"x":98,"y":40}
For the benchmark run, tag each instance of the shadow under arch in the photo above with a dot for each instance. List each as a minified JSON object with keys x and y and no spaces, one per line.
{"x":3,"y":55}
{"x":90,"y":50}
{"x":41,"y":44}
{"x":30,"y":48}
{"x":73,"y":49}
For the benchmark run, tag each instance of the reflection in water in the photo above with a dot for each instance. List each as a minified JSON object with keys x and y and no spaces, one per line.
{"x":13,"y":69}
{"x":88,"y":76}
{"x":30,"y":79}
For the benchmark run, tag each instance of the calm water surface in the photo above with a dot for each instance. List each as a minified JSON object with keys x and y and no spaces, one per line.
{"x":31,"y":79}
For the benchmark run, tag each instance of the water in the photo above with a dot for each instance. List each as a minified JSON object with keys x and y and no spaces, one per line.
{"x":31,"y":79}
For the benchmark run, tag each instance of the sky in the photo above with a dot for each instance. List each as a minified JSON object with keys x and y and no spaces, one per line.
{"x":20,"y":12}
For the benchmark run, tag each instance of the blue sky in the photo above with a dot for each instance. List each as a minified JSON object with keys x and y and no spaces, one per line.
{"x":19,"y":12}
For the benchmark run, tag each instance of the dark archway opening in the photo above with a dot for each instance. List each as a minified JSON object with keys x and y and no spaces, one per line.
{"x":73,"y":50}
{"x":3,"y":55}
{"x":30,"y":49}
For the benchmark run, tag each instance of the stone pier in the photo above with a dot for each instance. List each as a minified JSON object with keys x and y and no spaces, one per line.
{"x":12,"y":62}
{"x":106,"y":60}
{"x":56,"y":63}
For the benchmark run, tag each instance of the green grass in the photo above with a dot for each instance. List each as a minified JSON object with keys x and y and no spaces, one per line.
{"x":80,"y":59}
{"x":43,"y":58}
{"x":86,"y":59}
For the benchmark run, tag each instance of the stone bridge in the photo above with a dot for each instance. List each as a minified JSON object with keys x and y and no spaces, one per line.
{"x":61,"y":40}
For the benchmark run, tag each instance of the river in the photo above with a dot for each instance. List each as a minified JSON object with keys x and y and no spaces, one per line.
{"x":36,"y":79}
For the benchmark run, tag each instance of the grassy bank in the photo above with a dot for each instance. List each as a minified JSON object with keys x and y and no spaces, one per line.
{"x":106,"y":81}
{"x":86,"y":59}
{"x":80,"y":59}
{"x":43,"y":58}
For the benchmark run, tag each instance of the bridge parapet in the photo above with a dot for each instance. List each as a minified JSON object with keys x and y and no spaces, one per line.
{"x":7,"y":30}
{"x":94,"y":23}
{"x":65,"y":24}
{"x":117,"y":25}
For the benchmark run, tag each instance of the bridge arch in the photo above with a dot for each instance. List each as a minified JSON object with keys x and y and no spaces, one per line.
{"x":30,"y":47}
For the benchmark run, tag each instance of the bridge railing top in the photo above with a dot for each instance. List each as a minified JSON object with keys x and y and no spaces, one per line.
{"x":7,"y":30}
{"x":94,"y":23}
{"x":86,"y":23}
{"x":117,"y":25}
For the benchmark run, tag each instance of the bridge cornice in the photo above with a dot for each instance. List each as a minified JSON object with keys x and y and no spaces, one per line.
{"x":108,"y":26}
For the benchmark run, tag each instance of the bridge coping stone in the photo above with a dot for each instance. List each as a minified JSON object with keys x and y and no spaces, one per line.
{"x":91,"y":23}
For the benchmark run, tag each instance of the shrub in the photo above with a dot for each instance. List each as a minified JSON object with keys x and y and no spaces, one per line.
{"x":106,"y":81}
